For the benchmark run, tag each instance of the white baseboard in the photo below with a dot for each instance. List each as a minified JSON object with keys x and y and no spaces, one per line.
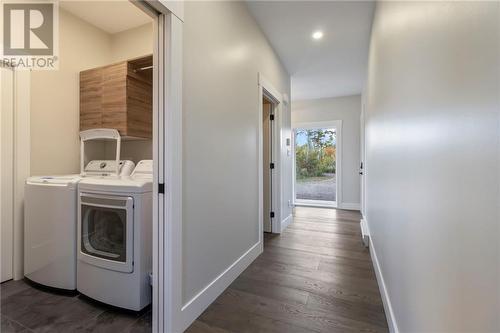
{"x":286,"y":222}
{"x":350,"y":205}
{"x":389,"y":313}
{"x":192,"y":309}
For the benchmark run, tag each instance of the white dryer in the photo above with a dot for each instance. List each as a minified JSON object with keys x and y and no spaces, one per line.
{"x":50,"y":211}
{"x":114,"y":238}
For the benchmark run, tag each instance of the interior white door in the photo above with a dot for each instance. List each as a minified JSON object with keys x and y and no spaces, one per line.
{"x":7,"y":171}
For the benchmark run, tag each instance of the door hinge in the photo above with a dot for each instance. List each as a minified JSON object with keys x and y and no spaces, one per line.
{"x":272,"y":214}
{"x":271,"y":117}
{"x":161,"y":188}
{"x":271,"y":166}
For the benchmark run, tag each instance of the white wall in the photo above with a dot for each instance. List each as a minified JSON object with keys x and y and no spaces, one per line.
{"x":223,"y":52}
{"x":433,"y":162}
{"x":55,"y":103}
{"x":132,"y":43}
{"x":348,"y":110}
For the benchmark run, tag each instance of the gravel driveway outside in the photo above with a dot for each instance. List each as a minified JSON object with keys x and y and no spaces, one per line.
{"x":318,"y":188}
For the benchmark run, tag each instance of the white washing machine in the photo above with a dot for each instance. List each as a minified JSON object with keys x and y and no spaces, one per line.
{"x":50,"y":212}
{"x":115,"y":238}
{"x":49,"y":231}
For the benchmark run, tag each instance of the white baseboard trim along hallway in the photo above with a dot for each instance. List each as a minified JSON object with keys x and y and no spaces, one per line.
{"x":389,"y":313}
{"x":205,"y":297}
{"x":365,"y":232}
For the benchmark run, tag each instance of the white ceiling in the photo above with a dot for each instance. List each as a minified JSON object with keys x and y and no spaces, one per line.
{"x":333,"y":66}
{"x":110,"y":16}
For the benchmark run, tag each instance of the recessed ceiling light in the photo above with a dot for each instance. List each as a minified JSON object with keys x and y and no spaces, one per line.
{"x":317,"y":34}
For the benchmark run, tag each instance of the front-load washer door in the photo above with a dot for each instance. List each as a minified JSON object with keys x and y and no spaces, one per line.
{"x":106,"y":231}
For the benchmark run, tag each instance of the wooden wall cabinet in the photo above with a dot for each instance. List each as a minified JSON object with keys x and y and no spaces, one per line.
{"x":118,"y":96}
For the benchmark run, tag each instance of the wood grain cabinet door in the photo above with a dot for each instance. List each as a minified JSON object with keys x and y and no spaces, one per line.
{"x":139,"y":106}
{"x":91,"y":99}
{"x":114,"y":97}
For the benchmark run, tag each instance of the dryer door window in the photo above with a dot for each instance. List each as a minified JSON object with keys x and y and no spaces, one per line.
{"x":106,"y":233}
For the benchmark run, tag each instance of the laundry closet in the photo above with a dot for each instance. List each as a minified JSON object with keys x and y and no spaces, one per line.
{"x":88,"y":200}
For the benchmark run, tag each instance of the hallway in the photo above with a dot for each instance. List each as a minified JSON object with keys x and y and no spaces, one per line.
{"x":315,"y":277}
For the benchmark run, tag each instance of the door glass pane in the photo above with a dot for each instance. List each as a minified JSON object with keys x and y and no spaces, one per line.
{"x":315,"y":164}
{"x":104,"y":232}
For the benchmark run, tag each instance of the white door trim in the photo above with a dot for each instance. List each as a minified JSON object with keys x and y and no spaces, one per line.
{"x":172,"y":199}
{"x":338,"y":167}
{"x":167,"y":166}
{"x":362,"y":119}
{"x":7,"y":172}
{"x":21,"y":164}
{"x":266,"y":88}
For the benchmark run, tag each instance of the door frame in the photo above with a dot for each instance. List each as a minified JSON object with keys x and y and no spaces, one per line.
{"x":338,"y":162}
{"x":267,"y":89}
{"x":270,"y":146}
{"x":21,"y":164}
{"x":167,"y":163}
{"x":362,"y":171}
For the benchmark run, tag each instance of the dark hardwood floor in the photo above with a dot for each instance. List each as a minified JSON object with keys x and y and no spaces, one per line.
{"x":315,"y":277}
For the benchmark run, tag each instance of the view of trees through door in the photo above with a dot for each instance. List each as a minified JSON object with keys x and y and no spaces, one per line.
{"x":315,"y":165}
